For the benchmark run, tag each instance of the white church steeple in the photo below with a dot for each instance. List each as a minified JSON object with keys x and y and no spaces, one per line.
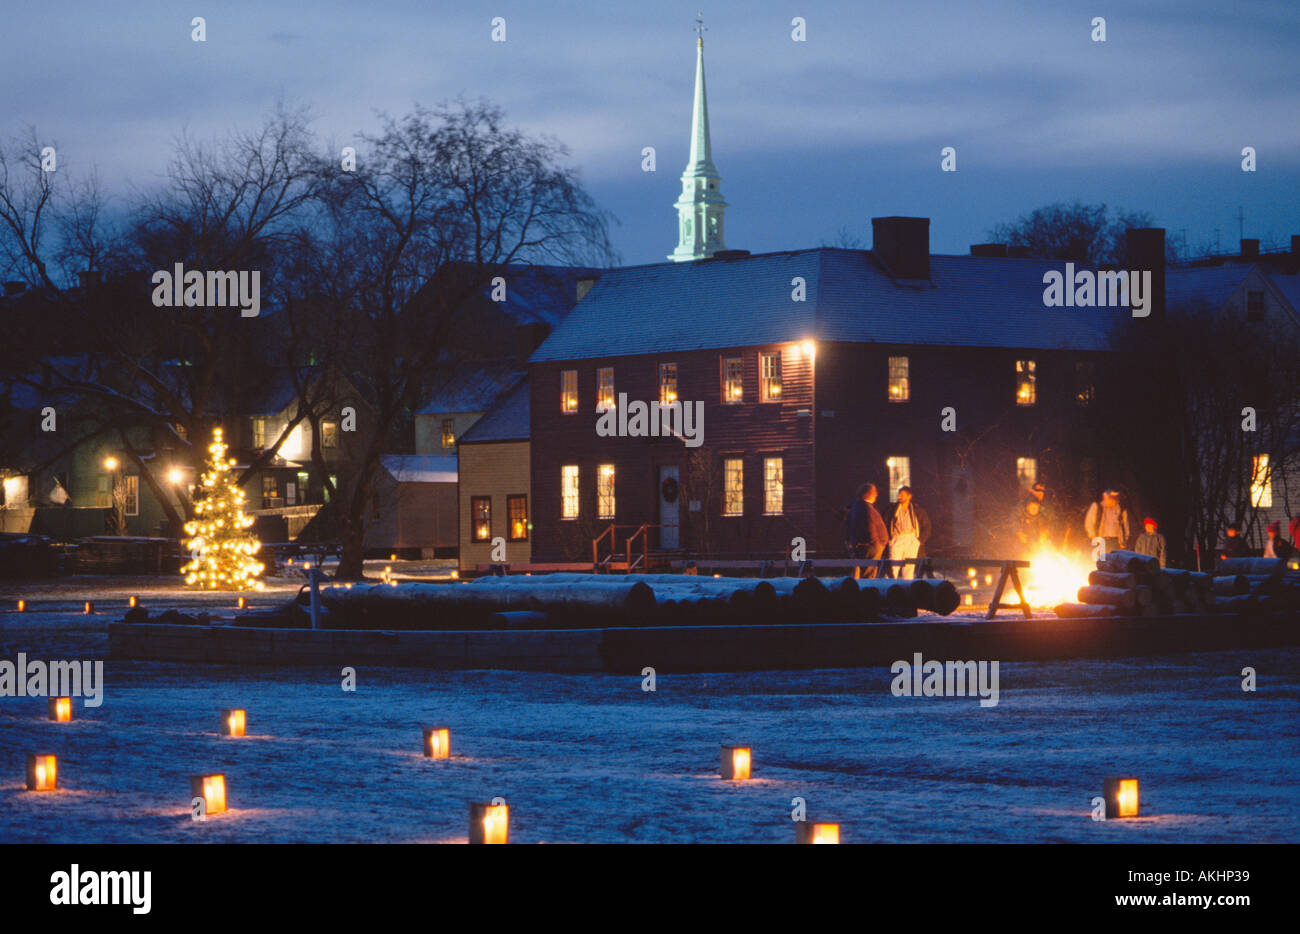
{"x":700,"y":207}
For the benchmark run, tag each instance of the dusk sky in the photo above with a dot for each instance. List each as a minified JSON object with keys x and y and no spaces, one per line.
{"x":810,"y":137}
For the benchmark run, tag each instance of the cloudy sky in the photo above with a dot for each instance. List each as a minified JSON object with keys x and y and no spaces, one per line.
{"x":811,"y":137}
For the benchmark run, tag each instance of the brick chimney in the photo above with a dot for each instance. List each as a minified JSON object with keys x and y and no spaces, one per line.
{"x":903,"y":245}
{"x":1250,"y":249}
{"x":1145,"y":250}
{"x":994,"y":250}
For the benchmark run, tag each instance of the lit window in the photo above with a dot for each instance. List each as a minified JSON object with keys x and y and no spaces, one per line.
{"x":605,"y":491}
{"x":132,"y":495}
{"x":769,"y":384}
{"x":270,"y":491}
{"x":103,"y":491}
{"x":304,"y":484}
{"x":733,"y":380}
{"x":900,"y":387}
{"x":293,"y":445}
{"x":569,"y":491}
{"x":1085,"y":388}
{"x":259,"y":433}
{"x":604,"y":388}
{"x":773,"y":486}
{"x":568,"y":391}
{"x":329,"y":434}
{"x":667,"y":383}
{"x":733,"y":487}
{"x":900,"y":475}
{"x":517,"y":509}
{"x":1026,"y":382}
{"x":1027,"y":471}
{"x":448,"y":432}
{"x":481,"y":515}
{"x":1261,"y":483}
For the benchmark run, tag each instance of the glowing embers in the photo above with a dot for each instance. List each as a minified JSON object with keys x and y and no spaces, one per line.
{"x":233,"y":722}
{"x":437,"y":743}
{"x":212,"y":789}
{"x":42,"y":772}
{"x":808,"y":832}
{"x":1121,"y":798}
{"x":60,"y":709}
{"x":736,"y":763}
{"x":489,"y":823}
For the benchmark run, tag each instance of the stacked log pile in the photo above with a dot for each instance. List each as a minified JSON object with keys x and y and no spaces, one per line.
{"x":1126,"y":583}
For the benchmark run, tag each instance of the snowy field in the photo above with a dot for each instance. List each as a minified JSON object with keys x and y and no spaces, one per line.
{"x":596,"y":759}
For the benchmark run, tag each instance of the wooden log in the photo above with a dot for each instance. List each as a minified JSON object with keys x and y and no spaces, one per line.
{"x":870,"y":602}
{"x":1269,"y":567}
{"x":921,"y":593}
{"x":1121,"y":561}
{"x":1083,"y":610}
{"x":1145,"y":596}
{"x":1109,"y":596}
{"x":1230,"y":585}
{"x":519,"y":619}
{"x":1123,"y":581}
{"x":1241,"y":603}
{"x":897,"y":598}
{"x":1178,"y":579}
{"x":946,"y":598}
{"x":1202,"y":582}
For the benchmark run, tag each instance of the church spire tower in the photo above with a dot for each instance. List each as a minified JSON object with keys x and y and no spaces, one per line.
{"x":700,"y":206}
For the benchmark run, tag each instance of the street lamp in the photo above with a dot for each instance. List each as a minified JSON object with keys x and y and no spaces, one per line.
{"x":175,"y":476}
{"x":117,"y":519}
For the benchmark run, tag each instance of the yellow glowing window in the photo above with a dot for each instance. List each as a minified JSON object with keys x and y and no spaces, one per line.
{"x":1261,"y":483}
{"x":667,"y":383}
{"x":1027,"y":471}
{"x":517,"y":510}
{"x":569,"y":391}
{"x":605,"y":491}
{"x":773,"y":486}
{"x":900,"y":475}
{"x":329,"y":434}
{"x":569,"y":491}
{"x":481,"y":518}
{"x":448,"y":432}
{"x":604,"y":388}
{"x":733,"y":483}
{"x":1026,"y":382}
{"x":131,"y":496}
{"x":733,"y":380}
{"x":900,"y":386}
{"x":769,"y":384}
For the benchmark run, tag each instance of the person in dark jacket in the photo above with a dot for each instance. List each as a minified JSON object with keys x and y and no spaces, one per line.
{"x":1275,"y":546}
{"x":867,"y":534}
{"x":1151,"y":542}
{"x":1234,"y":543}
{"x":1029,"y":527}
{"x":909,"y":527}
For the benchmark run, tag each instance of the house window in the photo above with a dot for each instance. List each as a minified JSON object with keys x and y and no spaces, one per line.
{"x":1085,"y":386}
{"x":182,"y":432}
{"x":103,"y":491}
{"x":1027,"y":471}
{"x":773,"y":486}
{"x":605,"y":491}
{"x":733,"y":380}
{"x":667,"y":383}
{"x":569,"y":491}
{"x":304,"y":484}
{"x":1261,"y":483}
{"x":1026,"y":382}
{"x":769,"y":384}
{"x":290,"y":492}
{"x":568,"y":391}
{"x":329,"y":434}
{"x":449,"y":432}
{"x":132,"y":497}
{"x":900,"y":386}
{"x":604,"y":388}
{"x":517,"y":513}
{"x":259,"y":433}
{"x":334,"y":482}
{"x":270,"y":491}
{"x":480,"y":509}
{"x":1254,"y":305}
{"x":900,"y":475}
{"x":733,"y":487}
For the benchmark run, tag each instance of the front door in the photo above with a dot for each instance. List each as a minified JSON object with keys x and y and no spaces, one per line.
{"x":670,"y":502}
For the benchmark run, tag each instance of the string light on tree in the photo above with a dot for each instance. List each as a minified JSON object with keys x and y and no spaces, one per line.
{"x":221,"y":549}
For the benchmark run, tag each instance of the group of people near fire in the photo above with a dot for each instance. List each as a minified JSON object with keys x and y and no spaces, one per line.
{"x":1032,"y":528}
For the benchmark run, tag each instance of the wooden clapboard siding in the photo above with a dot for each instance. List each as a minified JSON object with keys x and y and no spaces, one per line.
{"x":498,"y":469}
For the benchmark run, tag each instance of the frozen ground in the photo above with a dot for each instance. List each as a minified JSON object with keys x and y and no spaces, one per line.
{"x":594,"y":758}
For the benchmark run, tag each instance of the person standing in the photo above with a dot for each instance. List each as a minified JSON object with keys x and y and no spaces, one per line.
{"x":867,"y":534}
{"x":1108,"y":520}
{"x":909,"y":527}
{"x":1275,"y":546}
{"x":1046,"y":514}
{"x":1029,"y":528}
{"x":1151,"y":542}
{"x":1234,"y":543}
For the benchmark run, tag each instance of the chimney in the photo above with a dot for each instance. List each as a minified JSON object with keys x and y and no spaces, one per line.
{"x":1145,"y":250}
{"x":1250,"y":249}
{"x":584,"y":286}
{"x":528,"y":337}
{"x":994,"y":250}
{"x":903,"y":245}
{"x":1018,"y":251}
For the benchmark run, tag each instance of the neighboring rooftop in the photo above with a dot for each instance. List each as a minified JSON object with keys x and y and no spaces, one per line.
{"x":421,"y":468}
{"x":507,"y":420}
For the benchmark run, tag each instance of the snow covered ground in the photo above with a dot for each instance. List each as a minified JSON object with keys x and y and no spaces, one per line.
{"x":594,"y":758}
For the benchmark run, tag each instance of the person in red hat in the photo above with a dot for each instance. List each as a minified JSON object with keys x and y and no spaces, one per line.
{"x":1275,"y":546}
{"x":1151,"y":542}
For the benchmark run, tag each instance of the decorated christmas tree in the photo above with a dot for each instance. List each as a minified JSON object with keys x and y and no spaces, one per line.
{"x":221,"y":549}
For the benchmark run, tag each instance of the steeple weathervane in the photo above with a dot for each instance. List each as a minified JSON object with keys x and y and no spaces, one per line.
{"x":700,"y":206}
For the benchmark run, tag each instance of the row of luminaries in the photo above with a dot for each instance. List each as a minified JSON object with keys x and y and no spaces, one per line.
{"x":1126,"y":583}
{"x":490,"y":823}
{"x":576,"y":600}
